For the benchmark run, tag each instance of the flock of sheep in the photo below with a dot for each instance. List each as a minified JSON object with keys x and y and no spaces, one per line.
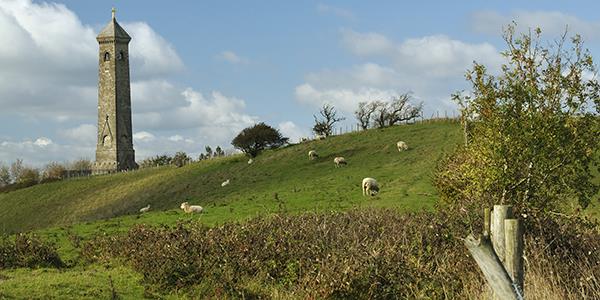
{"x":369,"y":185}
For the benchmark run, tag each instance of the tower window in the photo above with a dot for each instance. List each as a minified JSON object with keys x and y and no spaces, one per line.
{"x":120,"y":55}
{"x":106,"y":56}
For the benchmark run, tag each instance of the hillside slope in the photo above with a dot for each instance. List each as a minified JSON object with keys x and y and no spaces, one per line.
{"x":280,"y":179}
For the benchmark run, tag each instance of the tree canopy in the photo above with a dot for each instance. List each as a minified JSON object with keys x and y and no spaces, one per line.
{"x":254,"y":139}
{"x":531,"y":131}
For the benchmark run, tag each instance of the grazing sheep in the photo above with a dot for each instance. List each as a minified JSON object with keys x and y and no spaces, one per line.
{"x":226,"y":182}
{"x":401,"y":146}
{"x":145,"y":209}
{"x":319,"y":137}
{"x":250,"y":161}
{"x":370,"y":186}
{"x":339,"y":161}
{"x":312,"y":154}
{"x":191,"y":208}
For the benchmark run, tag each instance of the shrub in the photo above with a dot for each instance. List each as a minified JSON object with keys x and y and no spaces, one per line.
{"x":254,"y":139}
{"x":27,"y":250}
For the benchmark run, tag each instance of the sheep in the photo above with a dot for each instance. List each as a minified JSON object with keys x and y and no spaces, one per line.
{"x":339,"y":161}
{"x":226,"y":182}
{"x":401,"y":146}
{"x":250,"y":161}
{"x":370,"y":186}
{"x":145,"y":209}
{"x":312,"y":154}
{"x":191,"y":208}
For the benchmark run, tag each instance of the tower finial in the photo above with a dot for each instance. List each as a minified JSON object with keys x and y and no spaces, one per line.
{"x":113,"y":12}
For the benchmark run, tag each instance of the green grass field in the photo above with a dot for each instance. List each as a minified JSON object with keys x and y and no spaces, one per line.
{"x":299,"y":184}
{"x":284,"y":180}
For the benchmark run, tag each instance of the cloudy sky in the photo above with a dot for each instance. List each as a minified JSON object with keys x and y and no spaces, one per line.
{"x":202,"y":71}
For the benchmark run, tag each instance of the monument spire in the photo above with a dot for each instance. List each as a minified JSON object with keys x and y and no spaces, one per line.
{"x":114,"y":148}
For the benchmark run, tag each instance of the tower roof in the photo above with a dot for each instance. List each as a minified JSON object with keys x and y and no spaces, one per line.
{"x":113,"y":30}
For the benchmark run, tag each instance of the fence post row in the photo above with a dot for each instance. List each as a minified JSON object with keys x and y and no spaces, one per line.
{"x":499,"y":252}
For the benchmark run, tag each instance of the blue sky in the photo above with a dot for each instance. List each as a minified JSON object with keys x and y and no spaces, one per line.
{"x":201,"y":71}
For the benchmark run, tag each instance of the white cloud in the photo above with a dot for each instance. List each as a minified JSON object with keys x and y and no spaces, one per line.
{"x":336,"y":11}
{"x":365,"y":44}
{"x":292,"y":131}
{"x":430,"y":67}
{"x":143,"y":136}
{"x":551,"y":22}
{"x":232,"y":57}
{"x":49,"y":72}
{"x":151,"y":54}
{"x":176,"y":138}
{"x":42,"y":142}
{"x":84,"y":134}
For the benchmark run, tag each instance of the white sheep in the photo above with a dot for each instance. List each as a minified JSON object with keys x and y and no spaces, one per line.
{"x":312,"y":154}
{"x":145,"y":209}
{"x":191,"y":208}
{"x":250,"y":161}
{"x":339,"y":161}
{"x":226,"y":182}
{"x":370,"y":186}
{"x":401,"y":146}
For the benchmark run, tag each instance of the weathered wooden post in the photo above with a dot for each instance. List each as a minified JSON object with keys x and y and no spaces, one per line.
{"x":513,"y":233}
{"x":499,"y":214}
{"x":499,"y":252}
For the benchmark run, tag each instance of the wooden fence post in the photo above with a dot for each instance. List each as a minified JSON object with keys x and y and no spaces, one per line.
{"x":499,"y":214}
{"x":499,"y":252}
{"x":513,"y":233}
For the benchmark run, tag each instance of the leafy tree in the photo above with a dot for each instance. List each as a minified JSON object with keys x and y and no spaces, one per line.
{"x":532,"y":130}
{"x":328,"y":117}
{"x":209,"y":152}
{"x":180,"y":159}
{"x":364,"y":112}
{"x":29,"y":176}
{"x":82,"y":164}
{"x":219,"y":152}
{"x":252,"y":140}
{"x":53,"y":171}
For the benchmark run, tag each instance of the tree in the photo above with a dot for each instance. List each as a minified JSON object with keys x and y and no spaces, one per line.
{"x":400,"y":109}
{"x":532,"y":130}
{"x":209,"y":152}
{"x":380,"y":114}
{"x":29,"y":176}
{"x":53,"y":171}
{"x":82,"y":164}
{"x":252,"y":140}
{"x":364,"y":112}
{"x":180,"y":159}
{"x":16,"y":170}
{"x":219,"y":152}
{"x":4,"y":175}
{"x":328,"y":117}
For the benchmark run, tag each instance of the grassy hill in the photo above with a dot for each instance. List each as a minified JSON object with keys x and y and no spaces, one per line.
{"x":283,"y":179}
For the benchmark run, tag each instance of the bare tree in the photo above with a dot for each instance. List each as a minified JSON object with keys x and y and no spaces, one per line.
{"x":380,"y":114}
{"x":328,"y":117}
{"x":16,"y":170}
{"x":364,"y":112}
{"x":400,"y":109}
{"x":4,"y":175}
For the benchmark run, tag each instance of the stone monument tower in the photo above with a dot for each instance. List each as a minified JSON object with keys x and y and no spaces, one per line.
{"x":114,"y":149}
